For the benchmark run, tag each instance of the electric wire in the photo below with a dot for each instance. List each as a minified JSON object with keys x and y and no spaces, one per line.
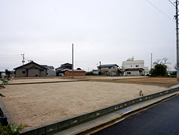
{"x":171,"y":3}
{"x":160,"y":10}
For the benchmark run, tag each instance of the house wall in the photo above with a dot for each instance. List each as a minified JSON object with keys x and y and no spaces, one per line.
{"x":109,"y":71}
{"x":33,"y":72}
{"x":43,"y":73}
{"x":134,"y":73}
{"x":51,"y":72}
{"x":36,"y":70}
{"x":146,"y":70}
{"x":76,"y":73}
{"x":133,"y":64}
{"x":21,"y":72}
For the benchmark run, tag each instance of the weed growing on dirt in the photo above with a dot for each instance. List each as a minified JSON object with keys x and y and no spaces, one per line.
{"x":4,"y":81}
{"x":11,"y":129}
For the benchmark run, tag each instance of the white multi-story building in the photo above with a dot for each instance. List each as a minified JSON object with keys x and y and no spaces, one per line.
{"x":133,"y":67}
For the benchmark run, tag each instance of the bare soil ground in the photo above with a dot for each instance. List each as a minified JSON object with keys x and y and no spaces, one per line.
{"x":39,"y":104}
{"x":152,"y":81}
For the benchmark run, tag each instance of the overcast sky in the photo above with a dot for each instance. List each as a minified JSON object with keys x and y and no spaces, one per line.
{"x":110,"y":31}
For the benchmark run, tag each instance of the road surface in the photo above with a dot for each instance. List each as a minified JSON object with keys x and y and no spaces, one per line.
{"x":162,"y":119}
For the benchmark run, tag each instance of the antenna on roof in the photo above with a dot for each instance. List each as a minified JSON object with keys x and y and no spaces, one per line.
{"x":23,"y":59}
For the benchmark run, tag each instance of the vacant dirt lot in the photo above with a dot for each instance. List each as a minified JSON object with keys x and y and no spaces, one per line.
{"x":153,"y":81}
{"x":38,"y":104}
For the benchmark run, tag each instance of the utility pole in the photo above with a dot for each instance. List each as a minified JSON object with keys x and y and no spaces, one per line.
{"x":72,"y":61}
{"x":100,"y":67}
{"x":23,"y":59}
{"x":151,"y":62}
{"x":176,"y":18}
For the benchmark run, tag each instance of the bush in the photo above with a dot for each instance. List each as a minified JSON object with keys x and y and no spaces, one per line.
{"x":174,"y":76}
{"x":159,"y":70}
{"x":11,"y":129}
{"x":90,"y":73}
{"x":174,"y":73}
{"x":4,"y":81}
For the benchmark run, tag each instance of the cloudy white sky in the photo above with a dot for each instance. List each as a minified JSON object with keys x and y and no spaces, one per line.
{"x":110,"y":31}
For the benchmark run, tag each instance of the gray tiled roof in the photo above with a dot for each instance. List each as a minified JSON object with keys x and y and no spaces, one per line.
{"x":108,"y":65}
{"x":134,"y":69}
{"x":49,"y":67}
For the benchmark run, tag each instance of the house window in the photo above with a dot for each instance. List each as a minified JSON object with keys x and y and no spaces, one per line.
{"x":23,"y":72}
{"x":109,"y":67}
{"x":128,"y":73}
{"x":137,"y":65}
{"x":131,"y":65}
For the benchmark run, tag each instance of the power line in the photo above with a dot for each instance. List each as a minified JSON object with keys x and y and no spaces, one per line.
{"x":171,"y":3}
{"x":160,"y":11}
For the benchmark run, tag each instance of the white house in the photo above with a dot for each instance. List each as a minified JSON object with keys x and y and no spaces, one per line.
{"x":133,"y":67}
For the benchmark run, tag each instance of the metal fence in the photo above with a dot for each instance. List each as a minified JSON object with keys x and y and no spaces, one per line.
{"x":55,"y":127}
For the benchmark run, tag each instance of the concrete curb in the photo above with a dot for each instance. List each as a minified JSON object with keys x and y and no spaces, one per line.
{"x":5,"y":112}
{"x":122,"y":116}
{"x":46,"y":82}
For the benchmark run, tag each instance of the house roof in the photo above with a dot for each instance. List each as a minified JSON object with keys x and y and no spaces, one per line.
{"x":134,"y":69}
{"x":66,"y":64}
{"x":76,"y":70}
{"x":49,"y":67}
{"x":108,"y":65}
{"x":61,"y":67}
{"x":29,"y":64}
{"x":2,"y":71}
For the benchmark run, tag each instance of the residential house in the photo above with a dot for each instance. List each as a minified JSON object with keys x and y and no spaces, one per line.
{"x":50,"y":70}
{"x":30,"y":69}
{"x":2,"y":73}
{"x":133,"y":67}
{"x":95,"y":71}
{"x":108,"y":69}
{"x":75,"y":73}
{"x":64,"y":67}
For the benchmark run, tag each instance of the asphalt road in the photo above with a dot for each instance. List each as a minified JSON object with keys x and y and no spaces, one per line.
{"x":162,"y":119}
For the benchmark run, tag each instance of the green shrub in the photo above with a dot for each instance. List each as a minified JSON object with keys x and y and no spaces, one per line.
{"x":4,"y":81}
{"x":11,"y":129}
{"x":173,"y":76}
{"x":89,"y":73}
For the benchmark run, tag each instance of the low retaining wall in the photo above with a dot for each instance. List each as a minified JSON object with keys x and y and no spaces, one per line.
{"x":5,"y":118}
{"x":55,"y":127}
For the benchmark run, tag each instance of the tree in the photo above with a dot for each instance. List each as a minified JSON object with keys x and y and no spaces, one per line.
{"x":159,"y":70}
{"x":8,"y":73}
{"x":160,"y":67}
